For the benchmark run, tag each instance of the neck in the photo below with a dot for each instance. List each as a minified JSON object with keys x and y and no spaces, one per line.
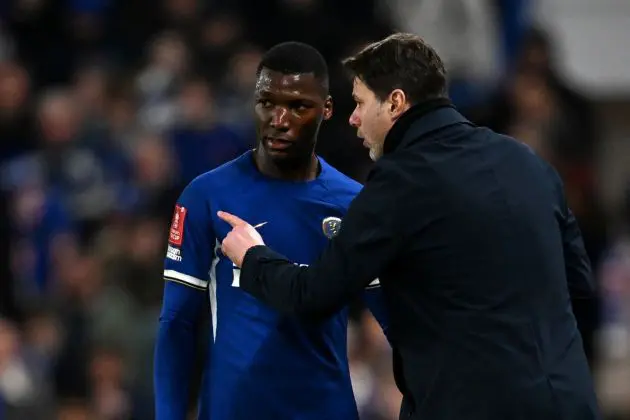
{"x":305,"y":170}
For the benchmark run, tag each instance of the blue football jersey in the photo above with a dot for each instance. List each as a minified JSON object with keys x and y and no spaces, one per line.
{"x":262,"y":364}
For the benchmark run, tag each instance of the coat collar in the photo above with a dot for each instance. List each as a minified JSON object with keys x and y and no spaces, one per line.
{"x":421,"y":119}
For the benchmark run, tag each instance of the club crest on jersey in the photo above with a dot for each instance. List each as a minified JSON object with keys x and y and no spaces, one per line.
{"x":331,"y":226}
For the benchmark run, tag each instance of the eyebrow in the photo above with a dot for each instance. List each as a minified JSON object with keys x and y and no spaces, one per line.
{"x":290,"y":96}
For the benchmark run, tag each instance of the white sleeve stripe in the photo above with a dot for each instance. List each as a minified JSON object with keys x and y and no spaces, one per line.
{"x":202,"y":289}
{"x":185,"y":278}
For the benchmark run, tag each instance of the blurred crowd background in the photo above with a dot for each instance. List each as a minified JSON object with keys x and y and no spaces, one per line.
{"x":109,"y":107}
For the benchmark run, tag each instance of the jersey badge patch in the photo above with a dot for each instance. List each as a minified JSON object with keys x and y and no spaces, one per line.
{"x":176,"y":234}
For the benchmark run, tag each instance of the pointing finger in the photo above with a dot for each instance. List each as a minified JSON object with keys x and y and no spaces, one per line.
{"x":232,"y":220}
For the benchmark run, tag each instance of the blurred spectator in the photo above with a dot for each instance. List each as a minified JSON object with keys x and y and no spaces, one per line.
{"x":154,"y":184}
{"x":63,"y":167}
{"x":17,"y":134}
{"x":21,"y":391}
{"x":121,"y":120}
{"x":199,"y":140}
{"x":158,"y":82}
{"x":575,"y":132}
{"x":236,"y":92}
{"x":111,"y":401}
{"x":42,"y":230}
{"x":90,"y":94}
{"x":220,"y":36}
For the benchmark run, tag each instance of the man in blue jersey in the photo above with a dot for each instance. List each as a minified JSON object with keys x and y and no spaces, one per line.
{"x":260,"y":364}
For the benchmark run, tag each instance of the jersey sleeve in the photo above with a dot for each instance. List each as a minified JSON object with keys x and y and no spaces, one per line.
{"x":373,"y":300}
{"x":186,"y":268}
{"x":190,"y":241}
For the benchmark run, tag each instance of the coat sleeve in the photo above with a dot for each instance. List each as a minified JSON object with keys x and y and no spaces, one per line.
{"x":576,"y":261}
{"x":368,"y":241}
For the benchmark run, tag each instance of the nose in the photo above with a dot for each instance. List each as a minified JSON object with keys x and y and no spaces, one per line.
{"x":354,"y":119}
{"x":280,"y":118}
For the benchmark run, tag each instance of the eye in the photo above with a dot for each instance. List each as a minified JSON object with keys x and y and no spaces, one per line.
{"x":300,"y":106}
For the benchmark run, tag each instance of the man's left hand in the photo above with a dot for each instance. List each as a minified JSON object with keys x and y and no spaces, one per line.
{"x":240,"y":239}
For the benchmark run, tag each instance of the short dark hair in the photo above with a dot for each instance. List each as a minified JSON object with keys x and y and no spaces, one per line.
{"x":400,"y":61}
{"x":296,"y":58}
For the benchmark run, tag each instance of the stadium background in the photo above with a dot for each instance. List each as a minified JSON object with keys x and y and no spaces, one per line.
{"x":109,"y":107}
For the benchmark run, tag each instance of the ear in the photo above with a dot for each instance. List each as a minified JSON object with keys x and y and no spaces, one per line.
{"x":328,"y":107}
{"x":397,"y":102}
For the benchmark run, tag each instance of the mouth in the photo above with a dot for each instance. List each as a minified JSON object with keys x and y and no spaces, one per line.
{"x":276,"y":143}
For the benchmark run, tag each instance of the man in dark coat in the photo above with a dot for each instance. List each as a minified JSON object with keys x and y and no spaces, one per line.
{"x":475,"y":248}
